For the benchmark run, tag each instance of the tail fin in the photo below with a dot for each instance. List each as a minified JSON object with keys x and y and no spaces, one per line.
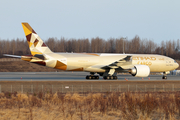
{"x":36,"y":45}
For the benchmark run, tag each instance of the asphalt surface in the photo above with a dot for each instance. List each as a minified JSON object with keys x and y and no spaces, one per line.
{"x":72,"y":76}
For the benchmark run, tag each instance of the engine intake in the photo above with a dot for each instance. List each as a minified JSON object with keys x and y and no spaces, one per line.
{"x":140,"y":71}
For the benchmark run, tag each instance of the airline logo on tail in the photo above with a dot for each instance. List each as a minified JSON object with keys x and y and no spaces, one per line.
{"x":38,"y":49}
{"x":36,"y":45}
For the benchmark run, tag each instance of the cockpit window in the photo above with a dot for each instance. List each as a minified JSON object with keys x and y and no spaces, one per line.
{"x":175,"y":62}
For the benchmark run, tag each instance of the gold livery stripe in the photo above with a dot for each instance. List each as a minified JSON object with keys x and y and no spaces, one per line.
{"x":91,"y":54}
{"x":78,"y":69}
{"x":60,"y":65}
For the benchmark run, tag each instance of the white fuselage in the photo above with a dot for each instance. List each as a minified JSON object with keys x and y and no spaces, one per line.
{"x":93,"y":62}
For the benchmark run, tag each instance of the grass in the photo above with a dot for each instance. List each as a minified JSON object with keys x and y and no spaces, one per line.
{"x":98,"y":106}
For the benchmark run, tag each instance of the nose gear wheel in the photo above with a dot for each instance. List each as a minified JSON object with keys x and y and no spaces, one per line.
{"x":164,"y":76}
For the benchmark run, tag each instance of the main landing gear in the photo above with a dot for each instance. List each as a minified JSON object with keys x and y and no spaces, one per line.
{"x":164,"y":75}
{"x":106,"y":76}
{"x":92,"y":76}
{"x":110,"y":77}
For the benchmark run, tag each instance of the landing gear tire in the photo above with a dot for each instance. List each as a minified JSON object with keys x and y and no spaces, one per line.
{"x":115,"y":77}
{"x":164,"y":77}
{"x":92,"y":77}
{"x":110,"y":77}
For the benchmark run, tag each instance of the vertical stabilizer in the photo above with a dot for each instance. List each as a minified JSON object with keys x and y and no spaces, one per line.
{"x":36,"y":45}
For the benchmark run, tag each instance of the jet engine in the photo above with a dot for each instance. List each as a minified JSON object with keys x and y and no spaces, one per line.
{"x":140,"y":71}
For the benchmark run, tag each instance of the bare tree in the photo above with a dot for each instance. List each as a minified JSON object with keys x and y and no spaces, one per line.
{"x":96,"y":45}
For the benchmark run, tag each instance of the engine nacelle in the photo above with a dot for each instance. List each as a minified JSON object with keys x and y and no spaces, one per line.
{"x":140,"y":71}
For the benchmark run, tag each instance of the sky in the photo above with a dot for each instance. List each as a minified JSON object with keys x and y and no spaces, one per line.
{"x":155,"y":20}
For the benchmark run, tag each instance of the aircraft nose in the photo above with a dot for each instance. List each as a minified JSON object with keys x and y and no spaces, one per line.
{"x":177,"y":65}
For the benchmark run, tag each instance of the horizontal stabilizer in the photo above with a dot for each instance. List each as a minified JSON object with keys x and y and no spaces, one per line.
{"x":14,"y":56}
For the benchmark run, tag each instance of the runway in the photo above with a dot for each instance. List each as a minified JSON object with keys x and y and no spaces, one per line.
{"x":72,"y":76}
{"x":75,"y":82}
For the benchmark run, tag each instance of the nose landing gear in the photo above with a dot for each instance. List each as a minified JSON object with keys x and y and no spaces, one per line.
{"x":164,"y":76}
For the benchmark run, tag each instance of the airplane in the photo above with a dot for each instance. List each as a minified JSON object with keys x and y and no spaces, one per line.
{"x":105,"y":64}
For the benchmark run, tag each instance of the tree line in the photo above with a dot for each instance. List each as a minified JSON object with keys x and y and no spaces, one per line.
{"x":136,"y":45}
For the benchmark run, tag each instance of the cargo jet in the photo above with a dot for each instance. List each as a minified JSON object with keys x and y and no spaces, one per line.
{"x":106,"y":65}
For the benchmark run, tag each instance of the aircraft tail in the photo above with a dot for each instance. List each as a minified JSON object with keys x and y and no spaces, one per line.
{"x":36,"y":45}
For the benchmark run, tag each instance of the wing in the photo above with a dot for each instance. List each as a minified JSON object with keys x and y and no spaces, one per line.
{"x":122,"y":64}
